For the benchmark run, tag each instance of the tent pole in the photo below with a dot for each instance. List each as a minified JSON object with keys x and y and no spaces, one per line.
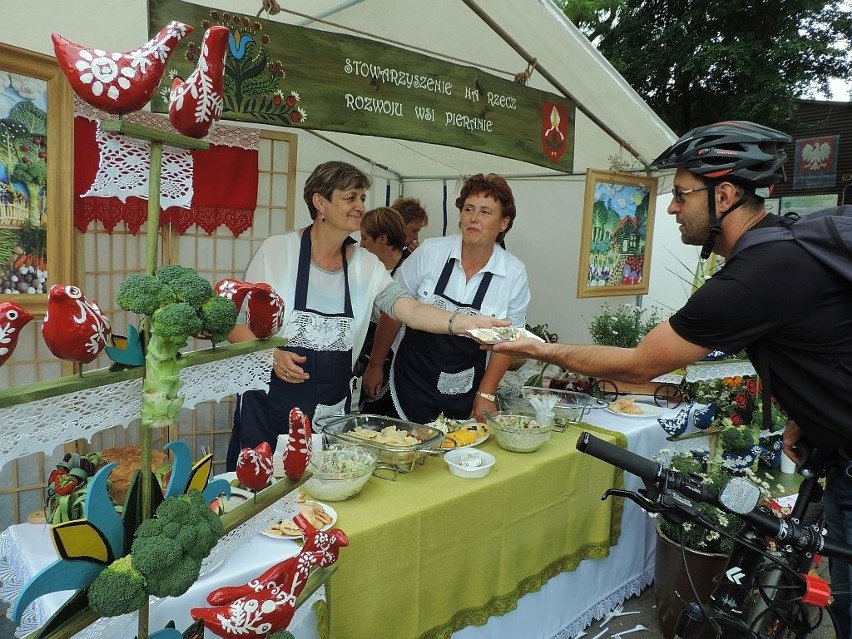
{"x":473,"y":6}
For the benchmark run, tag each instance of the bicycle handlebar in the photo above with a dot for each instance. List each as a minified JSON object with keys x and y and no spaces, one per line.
{"x":803,"y":538}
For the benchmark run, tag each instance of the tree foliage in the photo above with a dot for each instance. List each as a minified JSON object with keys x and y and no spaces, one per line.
{"x":701,"y":61}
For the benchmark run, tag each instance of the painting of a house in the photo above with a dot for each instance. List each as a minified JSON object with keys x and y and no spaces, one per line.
{"x":616,"y":242}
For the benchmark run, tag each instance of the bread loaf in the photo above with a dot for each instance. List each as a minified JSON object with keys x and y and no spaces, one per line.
{"x":129,"y":460}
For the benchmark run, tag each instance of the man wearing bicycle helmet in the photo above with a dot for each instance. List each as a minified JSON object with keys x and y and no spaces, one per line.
{"x":791,"y":314}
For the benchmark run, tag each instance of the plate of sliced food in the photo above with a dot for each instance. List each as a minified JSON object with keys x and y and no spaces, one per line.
{"x":501,"y":334}
{"x":460,"y":433}
{"x":320,"y":515}
{"x":629,"y":407}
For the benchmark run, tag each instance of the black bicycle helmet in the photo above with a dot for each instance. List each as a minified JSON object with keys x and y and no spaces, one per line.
{"x":743,"y":152}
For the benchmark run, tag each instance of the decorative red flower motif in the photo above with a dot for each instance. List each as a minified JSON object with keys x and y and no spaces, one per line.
{"x":736,"y":420}
{"x":751,"y":386}
{"x":741,"y":400}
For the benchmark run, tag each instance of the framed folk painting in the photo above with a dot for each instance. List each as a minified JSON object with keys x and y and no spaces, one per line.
{"x":36,"y":175}
{"x":618,"y":224}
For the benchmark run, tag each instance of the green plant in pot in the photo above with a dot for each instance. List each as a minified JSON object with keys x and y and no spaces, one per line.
{"x":624,"y":325}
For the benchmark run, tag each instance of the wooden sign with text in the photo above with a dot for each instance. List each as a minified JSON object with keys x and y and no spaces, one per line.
{"x":283,"y":75}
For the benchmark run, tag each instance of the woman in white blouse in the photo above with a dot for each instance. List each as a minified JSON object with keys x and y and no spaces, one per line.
{"x":465,"y":274}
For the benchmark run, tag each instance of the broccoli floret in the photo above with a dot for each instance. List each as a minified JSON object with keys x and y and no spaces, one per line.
{"x":117,"y":590}
{"x":177,"y":580}
{"x":176,"y":323}
{"x":218,"y":317}
{"x":171,"y":272}
{"x":149,"y":528}
{"x":171,"y":561}
{"x":192,"y":289}
{"x":143,"y":294}
{"x":281,"y":634}
{"x":155,"y":554}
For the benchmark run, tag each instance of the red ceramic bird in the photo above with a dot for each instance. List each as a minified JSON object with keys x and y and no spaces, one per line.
{"x":74,"y":328}
{"x":268,"y":603}
{"x":118,"y":82}
{"x":234,"y":290}
{"x":12,"y":319}
{"x":195,"y":104}
{"x":299,"y":444}
{"x":265,"y":311}
{"x":254,"y":466}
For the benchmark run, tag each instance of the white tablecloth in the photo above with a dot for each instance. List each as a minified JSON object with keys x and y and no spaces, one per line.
{"x":564,"y":606}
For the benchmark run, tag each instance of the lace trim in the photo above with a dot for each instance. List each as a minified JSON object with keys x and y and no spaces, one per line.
{"x":716,"y":370}
{"x":221,"y":134}
{"x":632,"y":588}
{"x":318,"y":332}
{"x":39,"y":426}
{"x":124,"y":167}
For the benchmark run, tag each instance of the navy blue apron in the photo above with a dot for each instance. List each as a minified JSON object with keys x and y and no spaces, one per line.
{"x":435,"y":374}
{"x":262,"y":416}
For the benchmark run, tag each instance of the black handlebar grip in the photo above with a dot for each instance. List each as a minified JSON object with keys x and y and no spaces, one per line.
{"x":619,"y":457}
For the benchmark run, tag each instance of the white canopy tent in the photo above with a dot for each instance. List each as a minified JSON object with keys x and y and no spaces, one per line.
{"x":504,"y":38}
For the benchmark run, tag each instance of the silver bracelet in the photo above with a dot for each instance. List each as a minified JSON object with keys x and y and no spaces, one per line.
{"x":451,"y":322}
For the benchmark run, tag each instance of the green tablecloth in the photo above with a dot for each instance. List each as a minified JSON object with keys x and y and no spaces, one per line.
{"x":432,"y":553}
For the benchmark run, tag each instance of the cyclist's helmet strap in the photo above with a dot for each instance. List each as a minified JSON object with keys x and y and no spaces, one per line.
{"x":741,"y":152}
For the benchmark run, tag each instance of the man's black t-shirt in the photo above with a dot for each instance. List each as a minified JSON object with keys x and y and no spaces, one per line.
{"x":775,"y":299}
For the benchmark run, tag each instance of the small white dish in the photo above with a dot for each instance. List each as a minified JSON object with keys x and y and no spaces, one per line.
{"x":469,"y":463}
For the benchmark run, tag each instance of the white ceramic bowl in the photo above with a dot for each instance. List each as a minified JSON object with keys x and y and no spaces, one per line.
{"x":515,"y":433}
{"x":328,"y":482}
{"x":469,"y":463}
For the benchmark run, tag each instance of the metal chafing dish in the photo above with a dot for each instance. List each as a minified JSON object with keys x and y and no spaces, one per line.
{"x":402,"y":457}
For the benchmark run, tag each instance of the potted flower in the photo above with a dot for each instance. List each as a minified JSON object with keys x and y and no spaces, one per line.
{"x":624,"y":326}
{"x":705,"y":551}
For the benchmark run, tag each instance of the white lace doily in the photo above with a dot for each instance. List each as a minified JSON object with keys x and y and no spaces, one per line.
{"x":124,"y":164}
{"x":40,"y":426}
{"x":220,"y":134}
{"x":701,"y":371}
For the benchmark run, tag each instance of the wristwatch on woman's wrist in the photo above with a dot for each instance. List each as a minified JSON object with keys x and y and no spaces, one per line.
{"x":489,"y":396}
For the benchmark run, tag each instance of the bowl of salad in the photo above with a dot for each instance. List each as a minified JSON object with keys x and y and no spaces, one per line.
{"x":339,"y":471}
{"x":518,"y":433}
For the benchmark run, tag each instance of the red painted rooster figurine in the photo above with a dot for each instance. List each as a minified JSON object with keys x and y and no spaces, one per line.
{"x":12,"y":319}
{"x":74,"y":328}
{"x":195,"y":104}
{"x":268,"y":603}
{"x":299,"y":444}
{"x":254,"y":466}
{"x":118,"y":82}
{"x":265,"y":311}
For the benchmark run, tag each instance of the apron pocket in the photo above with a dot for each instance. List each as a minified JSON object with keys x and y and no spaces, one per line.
{"x":456,"y":383}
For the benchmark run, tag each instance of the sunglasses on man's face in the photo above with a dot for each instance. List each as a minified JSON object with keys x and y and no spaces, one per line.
{"x":677,"y":194}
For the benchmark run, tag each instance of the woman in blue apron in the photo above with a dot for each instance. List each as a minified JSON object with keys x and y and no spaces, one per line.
{"x":463,"y":274}
{"x":329,"y":287}
{"x":260,"y":416}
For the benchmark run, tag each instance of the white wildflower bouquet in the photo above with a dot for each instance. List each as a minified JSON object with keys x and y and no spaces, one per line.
{"x":624,"y":325}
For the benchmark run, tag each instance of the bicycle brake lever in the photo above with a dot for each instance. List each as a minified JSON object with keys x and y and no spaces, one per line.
{"x":639,"y":500}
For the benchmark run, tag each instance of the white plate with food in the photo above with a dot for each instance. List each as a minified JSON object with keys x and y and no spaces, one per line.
{"x":321,"y":516}
{"x":501,"y":334}
{"x":629,"y":407}
{"x":464,"y":432}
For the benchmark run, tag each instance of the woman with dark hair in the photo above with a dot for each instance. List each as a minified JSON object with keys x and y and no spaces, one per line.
{"x":383,"y":233}
{"x":464,"y":274}
{"x":415,"y":218}
{"x":329,"y":286}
